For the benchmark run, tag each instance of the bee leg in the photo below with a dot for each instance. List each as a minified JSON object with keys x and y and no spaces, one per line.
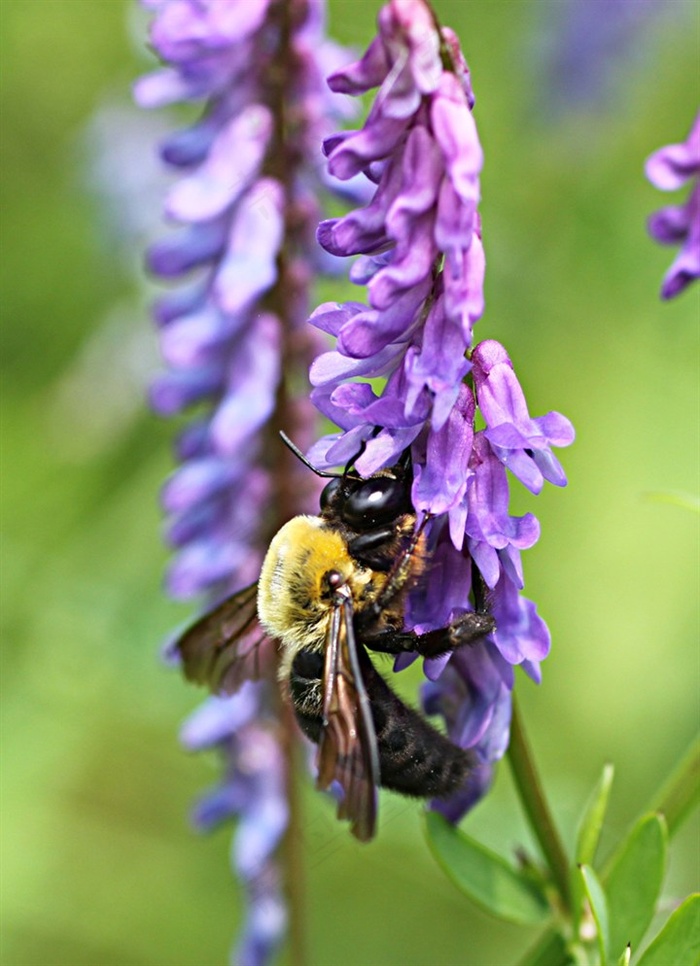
{"x":305,"y":678}
{"x":397,"y":561}
{"x":467,"y":629}
{"x":374,"y":548}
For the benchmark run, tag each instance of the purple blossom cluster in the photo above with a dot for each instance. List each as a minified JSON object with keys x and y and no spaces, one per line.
{"x":669,"y":169}
{"x":422,"y":261}
{"x":232,"y":329}
{"x":243,"y":200}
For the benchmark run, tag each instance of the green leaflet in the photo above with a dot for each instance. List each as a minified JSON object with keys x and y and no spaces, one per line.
{"x":591,"y":821}
{"x":633,"y":882}
{"x":488,"y":879}
{"x":680,"y":794}
{"x":624,"y":960}
{"x":588,"y":835}
{"x":687,"y":501}
{"x":678,"y":943}
{"x":599,"y":908}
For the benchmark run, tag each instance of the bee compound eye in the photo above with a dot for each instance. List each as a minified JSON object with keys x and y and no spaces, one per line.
{"x":329,"y":493}
{"x":376,"y":501}
{"x":334,"y":585}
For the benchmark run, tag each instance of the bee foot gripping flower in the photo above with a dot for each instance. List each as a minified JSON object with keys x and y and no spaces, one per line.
{"x":668,"y":169}
{"x":421,"y":259}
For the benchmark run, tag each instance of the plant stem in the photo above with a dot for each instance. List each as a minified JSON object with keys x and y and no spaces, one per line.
{"x":293,"y":845}
{"x":532,"y":797}
{"x":681,"y":791}
{"x":675,"y":801}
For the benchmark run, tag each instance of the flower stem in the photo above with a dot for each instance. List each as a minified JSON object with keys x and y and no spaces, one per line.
{"x":293,"y":846}
{"x":532,"y":798}
{"x":675,"y":801}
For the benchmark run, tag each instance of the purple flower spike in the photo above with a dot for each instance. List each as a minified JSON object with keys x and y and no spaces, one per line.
{"x":421,"y":258}
{"x":420,"y":146}
{"x":669,"y":169}
{"x":245,"y":203}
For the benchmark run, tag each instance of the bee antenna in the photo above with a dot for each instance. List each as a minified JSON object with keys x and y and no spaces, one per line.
{"x":349,"y":464}
{"x":300,"y":456}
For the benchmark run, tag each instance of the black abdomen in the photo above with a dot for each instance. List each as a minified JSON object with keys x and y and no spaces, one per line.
{"x":414,"y":758}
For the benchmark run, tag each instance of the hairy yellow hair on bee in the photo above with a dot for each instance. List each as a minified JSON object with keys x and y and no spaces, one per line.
{"x":293,"y":599}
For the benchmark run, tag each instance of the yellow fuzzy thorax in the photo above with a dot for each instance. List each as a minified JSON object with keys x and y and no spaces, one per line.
{"x":291,"y":602}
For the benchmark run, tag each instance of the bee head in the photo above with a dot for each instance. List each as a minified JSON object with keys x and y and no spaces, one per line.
{"x":367,"y":503}
{"x":364,"y":503}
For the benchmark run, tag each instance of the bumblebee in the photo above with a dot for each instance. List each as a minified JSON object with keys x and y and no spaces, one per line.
{"x":331,"y":587}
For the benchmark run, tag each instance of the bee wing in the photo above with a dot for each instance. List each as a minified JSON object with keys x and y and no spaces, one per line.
{"x":227,"y":646}
{"x":348,"y":748}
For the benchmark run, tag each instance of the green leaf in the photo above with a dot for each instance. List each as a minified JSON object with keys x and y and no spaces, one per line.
{"x":599,"y":908}
{"x":679,"y":940}
{"x":633,"y":881}
{"x":587,"y":837}
{"x":624,"y":960}
{"x":680,"y":498}
{"x":488,"y":879}
{"x":592,"y":819}
{"x":680,"y":794}
{"x":550,"y":950}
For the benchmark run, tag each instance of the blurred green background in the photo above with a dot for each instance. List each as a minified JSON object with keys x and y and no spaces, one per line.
{"x":99,"y":864}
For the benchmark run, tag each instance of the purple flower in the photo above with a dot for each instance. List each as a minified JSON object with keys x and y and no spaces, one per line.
{"x":668,"y":169}
{"x":521,"y":443}
{"x":494,"y":538}
{"x":473,"y":695}
{"x":253,"y":790}
{"x":243,"y":254}
{"x":422,"y":261}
